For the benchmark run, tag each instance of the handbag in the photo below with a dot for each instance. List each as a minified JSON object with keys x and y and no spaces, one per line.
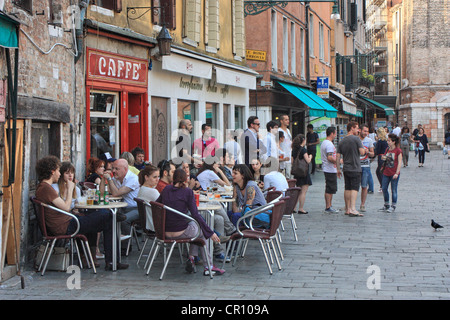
{"x":59,"y":260}
{"x":300,"y":167}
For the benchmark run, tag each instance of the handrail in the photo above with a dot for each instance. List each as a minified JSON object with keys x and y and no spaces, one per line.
{"x":66,"y":213}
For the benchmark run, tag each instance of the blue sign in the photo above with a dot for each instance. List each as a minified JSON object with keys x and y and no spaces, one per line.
{"x":322,"y":87}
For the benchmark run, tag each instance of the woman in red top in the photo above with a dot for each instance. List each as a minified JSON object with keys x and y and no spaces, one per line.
{"x":391,"y":173}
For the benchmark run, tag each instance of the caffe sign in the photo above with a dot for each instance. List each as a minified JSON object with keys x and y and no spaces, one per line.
{"x":111,"y":67}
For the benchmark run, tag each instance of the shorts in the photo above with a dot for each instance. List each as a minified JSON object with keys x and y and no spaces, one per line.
{"x":352,"y":180}
{"x":365,"y":174}
{"x":330,"y":183}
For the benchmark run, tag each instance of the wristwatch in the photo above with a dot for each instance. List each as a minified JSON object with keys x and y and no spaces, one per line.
{"x":109,"y":179}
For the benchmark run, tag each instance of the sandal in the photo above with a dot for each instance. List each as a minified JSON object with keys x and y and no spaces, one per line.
{"x":355,"y":214}
{"x":302,"y":212}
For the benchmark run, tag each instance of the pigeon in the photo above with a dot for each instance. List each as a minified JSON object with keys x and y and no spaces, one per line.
{"x":435,"y":225}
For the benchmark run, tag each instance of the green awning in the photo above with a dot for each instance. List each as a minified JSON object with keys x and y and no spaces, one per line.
{"x":359,"y":113}
{"x":8,"y":32}
{"x":389,"y":111}
{"x":317,"y":107}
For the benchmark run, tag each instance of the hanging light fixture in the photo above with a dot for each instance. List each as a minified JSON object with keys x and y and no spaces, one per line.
{"x":164,"y":41}
{"x":335,"y":12}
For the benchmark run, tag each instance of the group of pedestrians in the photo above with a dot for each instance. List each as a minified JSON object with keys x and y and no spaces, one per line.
{"x":354,"y":152}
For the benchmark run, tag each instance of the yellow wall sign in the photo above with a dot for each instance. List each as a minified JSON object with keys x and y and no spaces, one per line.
{"x":255,"y":55}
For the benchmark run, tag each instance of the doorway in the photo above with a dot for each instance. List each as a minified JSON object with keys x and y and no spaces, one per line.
{"x":137,"y":122}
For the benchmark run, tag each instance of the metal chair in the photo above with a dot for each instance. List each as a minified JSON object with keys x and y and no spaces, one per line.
{"x":159,"y":221}
{"x":293,"y":194}
{"x":291,"y":182}
{"x":264,"y":236}
{"x":142,"y":222}
{"x":38,"y":207}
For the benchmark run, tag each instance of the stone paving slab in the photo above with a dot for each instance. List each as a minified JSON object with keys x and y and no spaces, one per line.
{"x":329,"y":262}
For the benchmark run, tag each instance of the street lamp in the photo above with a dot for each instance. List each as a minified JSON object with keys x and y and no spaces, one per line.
{"x":164,"y":41}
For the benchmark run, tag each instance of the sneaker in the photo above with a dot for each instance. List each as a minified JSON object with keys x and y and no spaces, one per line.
{"x":214,"y":270}
{"x":380,"y":190}
{"x":219,"y":257}
{"x":384,"y":208}
{"x":331,"y":210}
{"x":362,"y":208}
{"x":370,"y":191}
{"x":190,"y":265}
{"x":391,"y":209}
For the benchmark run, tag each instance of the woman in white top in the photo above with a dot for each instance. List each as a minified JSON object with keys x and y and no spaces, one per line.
{"x":67,"y":174}
{"x":148,"y":179}
{"x":210,"y":173}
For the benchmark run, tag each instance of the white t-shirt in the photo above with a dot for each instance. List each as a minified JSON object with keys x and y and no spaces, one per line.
{"x":206,"y":178}
{"x":275,"y":179}
{"x":149,"y":194}
{"x":327,"y":147}
{"x":367,"y":144}
{"x":286,"y":145}
{"x":131,"y":181}
{"x":233,"y":148}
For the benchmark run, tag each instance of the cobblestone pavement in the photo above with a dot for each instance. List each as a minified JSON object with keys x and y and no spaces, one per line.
{"x":336,"y":257}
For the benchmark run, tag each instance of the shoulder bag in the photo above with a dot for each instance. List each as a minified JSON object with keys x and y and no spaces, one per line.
{"x":300,"y":167}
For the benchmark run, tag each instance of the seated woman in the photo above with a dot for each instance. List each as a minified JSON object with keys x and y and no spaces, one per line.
{"x":148,"y":179}
{"x":130,"y":160}
{"x":48,"y":173}
{"x":255,"y":169}
{"x":67,"y":173}
{"x":210,"y":173}
{"x":181,"y":198}
{"x":248,"y":196}
{"x":95,"y":170}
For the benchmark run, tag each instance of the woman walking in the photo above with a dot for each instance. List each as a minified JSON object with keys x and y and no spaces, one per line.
{"x":405,"y":145}
{"x":380,"y":148}
{"x":391,"y":173}
{"x":422,"y":140}
{"x":298,"y":149}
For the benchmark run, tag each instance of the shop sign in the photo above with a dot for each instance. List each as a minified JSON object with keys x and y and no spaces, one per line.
{"x":322,"y":87}
{"x":107,"y":66}
{"x":255,"y":55}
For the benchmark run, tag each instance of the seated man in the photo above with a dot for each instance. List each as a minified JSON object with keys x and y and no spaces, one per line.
{"x":47,"y":170}
{"x":275,"y":179}
{"x":125,"y":184}
{"x":166,"y":170}
{"x":139,"y":158}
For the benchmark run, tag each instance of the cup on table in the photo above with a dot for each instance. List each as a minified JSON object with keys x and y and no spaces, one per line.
{"x":210,"y":196}
{"x":82,"y":200}
{"x":197,"y":199}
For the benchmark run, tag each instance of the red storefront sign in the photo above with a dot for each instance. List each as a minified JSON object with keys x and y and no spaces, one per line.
{"x":106,"y":66}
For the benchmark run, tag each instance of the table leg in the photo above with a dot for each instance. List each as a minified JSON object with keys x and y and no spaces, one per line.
{"x":114,"y":239}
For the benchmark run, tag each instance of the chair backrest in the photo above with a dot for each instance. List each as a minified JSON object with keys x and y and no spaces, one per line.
{"x":293,"y":194}
{"x":159,"y":219}
{"x":272,"y":195}
{"x":277,"y":215}
{"x":40,"y":216}
{"x":291,"y":182}
{"x":142,"y":220}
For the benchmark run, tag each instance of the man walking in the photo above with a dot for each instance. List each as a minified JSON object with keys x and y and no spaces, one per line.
{"x":328,"y":155}
{"x":312,"y":140}
{"x":286,"y":145}
{"x":366,"y":175}
{"x":351,"y":148}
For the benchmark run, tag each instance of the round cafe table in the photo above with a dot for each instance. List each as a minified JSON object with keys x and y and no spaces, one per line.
{"x":112,"y":206}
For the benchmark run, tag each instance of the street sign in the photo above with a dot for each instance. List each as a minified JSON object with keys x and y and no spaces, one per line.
{"x":255,"y":55}
{"x":322,"y":87}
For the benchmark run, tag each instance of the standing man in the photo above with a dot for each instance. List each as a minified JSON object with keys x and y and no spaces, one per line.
{"x":366,"y":175}
{"x":271,"y":143}
{"x":251,"y":146}
{"x":328,"y":154}
{"x":397,"y":130}
{"x":286,"y":145}
{"x":312,"y":140}
{"x":351,"y":148}
{"x":206,"y":145}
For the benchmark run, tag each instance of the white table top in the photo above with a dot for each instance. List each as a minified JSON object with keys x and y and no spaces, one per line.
{"x":111,"y":205}
{"x":209,"y":207}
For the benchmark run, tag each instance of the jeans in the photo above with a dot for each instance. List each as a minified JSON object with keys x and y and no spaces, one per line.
{"x":422,"y":156}
{"x":385,"y":184}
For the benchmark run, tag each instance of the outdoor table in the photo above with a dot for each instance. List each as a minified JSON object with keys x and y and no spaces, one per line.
{"x":209,"y":218}
{"x":112,"y":206}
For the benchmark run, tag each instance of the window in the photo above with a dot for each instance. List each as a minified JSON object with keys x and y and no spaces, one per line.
{"x":285,"y":46}
{"x":274,"y":46}
{"x":321,"y":43}
{"x":239,"y":117}
{"x":211,"y":115}
{"x":104,"y":123}
{"x":293,"y":53}
{"x":311,"y":35}
{"x":24,"y":4}
{"x":186,"y":110}
{"x":302,"y":53}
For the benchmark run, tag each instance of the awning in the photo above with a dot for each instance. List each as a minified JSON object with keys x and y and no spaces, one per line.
{"x":359,"y":113}
{"x":389,"y":111}
{"x":347,"y":105}
{"x":185,"y":65}
{"x":235,"y":78}
{"x":317,"y":106}
{"x":8,"y":32}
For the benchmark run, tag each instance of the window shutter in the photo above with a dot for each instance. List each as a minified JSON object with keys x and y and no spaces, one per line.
{"x":239,"y":30}
{"x":193,"y":19}
{"x":213,"y":24}
{"x":169,"y":17}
